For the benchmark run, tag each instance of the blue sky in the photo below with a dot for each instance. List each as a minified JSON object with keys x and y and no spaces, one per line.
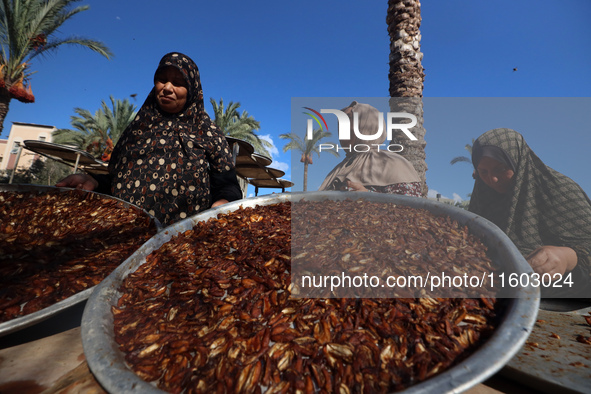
{"x":263,"y":53}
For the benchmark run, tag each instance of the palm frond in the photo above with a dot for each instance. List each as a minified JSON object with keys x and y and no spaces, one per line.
{"x":464,"y":159}
{"x":295,"y":142}
{"x":239,"y":125}
{"x":460,"y":159}
{"x":106,"y":123}
{"x":29,"y":28}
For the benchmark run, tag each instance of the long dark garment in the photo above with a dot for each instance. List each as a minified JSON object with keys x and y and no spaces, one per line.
{"x":173,"y":165}
{"x":545,"y":207}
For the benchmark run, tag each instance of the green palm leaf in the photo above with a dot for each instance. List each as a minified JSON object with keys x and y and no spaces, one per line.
{"x":90,"y":131}
{"x":306,"y":147}
{"x":239,"y":125}
{"x":29,"y":28}
{"x":464,"y":159}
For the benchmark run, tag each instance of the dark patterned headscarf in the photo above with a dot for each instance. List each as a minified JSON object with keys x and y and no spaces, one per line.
{"x":545,"y":207}
{"x":163,"y":162}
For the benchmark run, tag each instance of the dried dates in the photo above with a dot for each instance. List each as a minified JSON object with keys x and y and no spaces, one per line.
{"x":210,"y":311}
{"x":55,"y":244}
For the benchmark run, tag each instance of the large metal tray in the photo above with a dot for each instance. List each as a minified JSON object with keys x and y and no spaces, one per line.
{"x":107,"y":362}
{"x":552,"y":360}
{"x":22,"y":322}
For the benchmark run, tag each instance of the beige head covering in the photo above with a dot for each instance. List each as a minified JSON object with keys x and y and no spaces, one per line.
{"x":372,"y":168}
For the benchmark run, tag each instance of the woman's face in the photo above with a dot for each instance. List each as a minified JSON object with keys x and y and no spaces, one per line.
{"x":495,"y":174}
{"x":171,"y":89}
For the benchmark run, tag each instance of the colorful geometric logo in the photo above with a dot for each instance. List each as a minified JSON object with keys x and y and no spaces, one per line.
{"x":316,"y":118}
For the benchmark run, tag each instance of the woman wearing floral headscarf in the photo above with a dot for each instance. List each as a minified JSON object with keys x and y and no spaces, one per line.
{"x":545,"y":213}
{"x":171,"y":160}
{"x":374,"y":169}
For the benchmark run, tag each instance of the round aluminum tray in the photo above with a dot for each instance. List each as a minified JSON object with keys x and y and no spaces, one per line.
{"x":108,"y":366}
{"x":36,"y":317}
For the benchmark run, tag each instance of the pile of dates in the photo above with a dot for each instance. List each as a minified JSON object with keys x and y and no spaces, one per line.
{"x":55,"y":244}
{"x":212,"y":311}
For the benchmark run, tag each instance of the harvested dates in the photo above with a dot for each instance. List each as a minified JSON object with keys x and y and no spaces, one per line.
{"x":365,"y":249}
{"x":211,"y":311}
{"x":54,"y":244}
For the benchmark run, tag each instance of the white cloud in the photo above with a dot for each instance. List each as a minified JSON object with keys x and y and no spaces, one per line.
{"x":432,"y":193}
{"x":272,"y":150}
{"x":274,"y":154}
{"x":280,"y":166}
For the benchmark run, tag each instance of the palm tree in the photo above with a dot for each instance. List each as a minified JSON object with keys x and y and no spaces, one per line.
{"x":406,"y":77}
{"x":464,"y":159}
{"x":87,"y":128}
{"x":119,"y":117}
{"x":241,"y":126}
{"x":28,"y":28}
{"x":307,"y":147}
{"x":97,"y":133}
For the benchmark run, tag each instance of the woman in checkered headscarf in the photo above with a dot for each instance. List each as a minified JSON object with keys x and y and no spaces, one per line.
{"x":545,"y":213}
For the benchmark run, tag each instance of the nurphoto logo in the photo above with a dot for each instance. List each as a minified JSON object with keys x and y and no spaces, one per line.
{"x":344,"y":129}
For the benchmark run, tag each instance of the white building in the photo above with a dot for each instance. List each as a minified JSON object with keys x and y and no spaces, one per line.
{"x":20,"y":132}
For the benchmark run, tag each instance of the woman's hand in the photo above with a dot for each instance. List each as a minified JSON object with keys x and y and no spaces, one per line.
{"x":552,"y":259}
{"x":219,"y":202}
{"x":79,"y":181}
{"x":355,"y":187}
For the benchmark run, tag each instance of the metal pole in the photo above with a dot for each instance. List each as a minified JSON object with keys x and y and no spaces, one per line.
{"x":18,"y":157}
{"x":76,"y":165}
{"x":235,"y":151}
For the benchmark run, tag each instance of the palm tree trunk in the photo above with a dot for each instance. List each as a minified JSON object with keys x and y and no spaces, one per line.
{"x":406,"y":77}
{"x":305,"y":176}
{"x":4,"y":103}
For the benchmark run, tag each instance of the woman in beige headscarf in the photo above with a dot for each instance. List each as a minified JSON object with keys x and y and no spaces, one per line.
{"x":376,"y":170}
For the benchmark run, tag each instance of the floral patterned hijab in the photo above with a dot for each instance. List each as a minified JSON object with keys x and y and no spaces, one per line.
{"x":545,"y":207}
{"x":163,"y":162}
